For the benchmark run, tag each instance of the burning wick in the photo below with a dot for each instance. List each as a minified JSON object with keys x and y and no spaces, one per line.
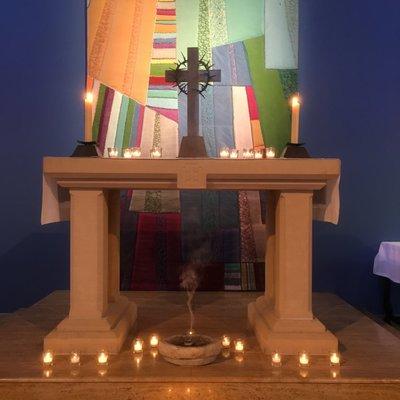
{"x":75,"y":358}
{"x":334,"y":359}
{"x":138,"y":345}
{"x":102,"y":358}
{"x":276,"y":359}
{"x":48,"y":358}
{"x":239,"y":346}
{"x":304,"y":360}
{"x":154,"y":341}
{"x":226,"y":341}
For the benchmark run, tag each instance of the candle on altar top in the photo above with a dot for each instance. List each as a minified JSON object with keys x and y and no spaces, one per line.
{"x":154,"y":340}
{"x":334,"y":359}
{"x":136,"y":152}
{"x":226,"y":341}
{"x":248,"y":153}
{"x":102,"y":358}
{"x":270,"y":152}
{"x":137,"y":345}
{"x":295,"y":103}
{"x":224,"y":152}
{"x":234,"y":153}
{"x":156,"y":152}
{"x":112,"y":152}
{"x":75,"y":358}
{"x":258,"y":154}
{"x":239,"y":346}
{"x":304,"y":359}
{"x":88,"y":116}
{"x":48,"y":357}
{"x":276,"y":359}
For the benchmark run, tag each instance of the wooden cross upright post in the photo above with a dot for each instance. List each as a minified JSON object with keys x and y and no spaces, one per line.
{"x":192,"y":144}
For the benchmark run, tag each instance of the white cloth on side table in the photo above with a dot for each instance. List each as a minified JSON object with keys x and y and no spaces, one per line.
{"x":387,"y":261}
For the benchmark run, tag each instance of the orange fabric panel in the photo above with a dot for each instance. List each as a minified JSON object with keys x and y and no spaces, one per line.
{"x":257,"y":134}
{"x":120,"y":36}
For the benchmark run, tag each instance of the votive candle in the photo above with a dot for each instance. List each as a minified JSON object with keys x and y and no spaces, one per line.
{"x":48,"y":358}
{"x":128,"y":152}
{"x":270,"y":152}
{"x":239,"y":346}
{"x":136,"y":152}
{"x":112,"y":152}
{"x":234,"y":153}
{"x":258,"y":153}
{"x":102,"y":358}
{"x":276,"y":359}
{"x":226,"y":341}
{"x":75,"y":358}
{"x":156,"y":152}
{"x":154,"y":340}
{"x":224,"y":152}
{"x":248,"y":153}
{"x":304,"y":359}
{"x":137,"y":345}
{"x":334,"y":358}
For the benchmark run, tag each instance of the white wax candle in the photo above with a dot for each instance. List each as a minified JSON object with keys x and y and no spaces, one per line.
{"x":295,"y":102}
{"x":128,"y":153}
{"x":276,"y":359}
{"x":136,"y":152}
{"x":239,"y":346}
{"x":48,"y":357}
{"x":226,"y":341}
{"x":258,"y":154}
{"x":270,"y":152}
{"x":138,"y":346}
{"x":248,"y":153}
{"x":234,"y":153}
{"x":334,"y":358}
{"x":75,"y":358}
{"x":154,"y":341}
{"x":304,"y":359}
{"x":88,"y":116}
{"x":112,"y":152}
{"x":224,"y":153}
{"x":102,"y":357}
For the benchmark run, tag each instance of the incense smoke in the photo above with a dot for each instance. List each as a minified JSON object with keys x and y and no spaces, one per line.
{"x":190,"y":281}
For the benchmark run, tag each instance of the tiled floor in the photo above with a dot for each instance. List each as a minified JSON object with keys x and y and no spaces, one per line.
{"x":371,"y":354}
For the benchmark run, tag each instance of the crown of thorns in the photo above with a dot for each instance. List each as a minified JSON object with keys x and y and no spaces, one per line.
{"x":182,"y":65}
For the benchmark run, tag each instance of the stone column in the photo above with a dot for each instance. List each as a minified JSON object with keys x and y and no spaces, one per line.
{"x":283,"y":318}
{"x":98,"y":317}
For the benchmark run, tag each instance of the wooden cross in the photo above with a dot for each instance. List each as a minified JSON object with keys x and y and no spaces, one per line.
{"x":193,"y":76}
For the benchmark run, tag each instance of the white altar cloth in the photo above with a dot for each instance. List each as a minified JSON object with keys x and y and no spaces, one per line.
{"x":387,"y":261}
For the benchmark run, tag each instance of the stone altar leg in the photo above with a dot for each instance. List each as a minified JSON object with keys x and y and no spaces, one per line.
{"x":282,"y":319}
{"x":99,"y":318}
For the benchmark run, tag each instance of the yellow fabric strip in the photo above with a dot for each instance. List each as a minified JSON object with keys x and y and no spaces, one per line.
{"x":165,"y":28}
{"x":166,"y":17}
{"x":120,"y":36}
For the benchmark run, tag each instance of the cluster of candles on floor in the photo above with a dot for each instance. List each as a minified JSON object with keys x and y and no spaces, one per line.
{"x":102,"y":358}
{"x":225,"y":152}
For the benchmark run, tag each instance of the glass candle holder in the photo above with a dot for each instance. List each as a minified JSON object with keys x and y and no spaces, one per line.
{"x":102,"y":357}
{"x":258,"y":154}
{"x":334,"y":359}
{"x":234,"y":153}
{"x":136,"y":152}
{"x":128,"y":152}
{"x":224,"y":152}
{"x":137,"y":346}
{"x":226,"y":342}
{"x":48,"y":358}
{"x":75,"y":358}
{"x":239,"y":346}
{"x":304,"y":359}
{"x":248,"y":153}
{"x":276,"y":359}
{"x":270,"y":152}
{"x":154,"y":340}
{"x":156,"y":152}
{"x":112,"y":152}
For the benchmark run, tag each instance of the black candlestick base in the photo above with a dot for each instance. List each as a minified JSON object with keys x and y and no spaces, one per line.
{"x":295,"y":150}
{"x":192,"y":147}
{"x":86,"y":149}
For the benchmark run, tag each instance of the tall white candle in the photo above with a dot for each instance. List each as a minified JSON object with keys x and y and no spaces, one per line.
{"x":88,"y":116}
{"x":295,"y":102}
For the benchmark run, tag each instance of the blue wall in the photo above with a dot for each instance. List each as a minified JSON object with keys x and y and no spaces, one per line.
{"x":349,"y":80}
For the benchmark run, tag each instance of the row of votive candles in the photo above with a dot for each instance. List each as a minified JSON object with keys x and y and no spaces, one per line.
{"x":239,"y":346}
{"x":269,"y":152}
{"x":134,"y":152}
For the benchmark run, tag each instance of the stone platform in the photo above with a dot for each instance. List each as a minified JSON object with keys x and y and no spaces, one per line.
{"x":370,"y":352}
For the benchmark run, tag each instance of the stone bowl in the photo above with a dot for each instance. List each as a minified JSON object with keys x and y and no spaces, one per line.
{"x":202,"y":349}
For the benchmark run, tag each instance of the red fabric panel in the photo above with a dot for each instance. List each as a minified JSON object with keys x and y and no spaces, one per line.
{"x":252,"y":102}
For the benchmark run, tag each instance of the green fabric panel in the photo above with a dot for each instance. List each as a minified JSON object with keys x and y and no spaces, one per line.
{"x":187,"y":13}
{"x":119,"y":137}
{"x":128,"y":124}
{"x":273,"y":106}
{"x":165,"y":94}
{"x":159,"y":69}
{"x":99,"y":110}
{"x":289,"y":81}
{"x":204,"y":31}
{"x":245,"y":19}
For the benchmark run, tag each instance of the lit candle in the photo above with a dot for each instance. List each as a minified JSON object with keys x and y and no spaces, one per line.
{"x":137,"y":345}
{"x":239,"y":346}
{"x":102,"y":358}
{"x":276,"y":359}
{"x":154,"y":341}
{"x":334,"y":359}
{"x":224,"y":152}
{"x":234,"y":153}
{"x":136,"y":152}
{"x":295,"y":102}
{"x":258,"y":154}
{"x":226,"y":341}
{"x":88,"y":116}
{"x":75,"y":358}
{"x":156,"y":152}
{"x":128,"y":152}
{"x":48,"y":357}
{"x":270,"y":152}
{"x":248,"y":153}
{"x":112,"y":152}
{"x":304,"y":360}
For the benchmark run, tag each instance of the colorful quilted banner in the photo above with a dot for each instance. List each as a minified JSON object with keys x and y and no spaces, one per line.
{"x":130,"y":46}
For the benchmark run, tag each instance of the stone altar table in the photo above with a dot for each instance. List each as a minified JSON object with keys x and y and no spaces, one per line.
{"x":100,"y":318}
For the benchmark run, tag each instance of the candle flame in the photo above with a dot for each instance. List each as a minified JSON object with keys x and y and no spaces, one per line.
{"x":89,"y":97}
{"x":295,"y":101}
